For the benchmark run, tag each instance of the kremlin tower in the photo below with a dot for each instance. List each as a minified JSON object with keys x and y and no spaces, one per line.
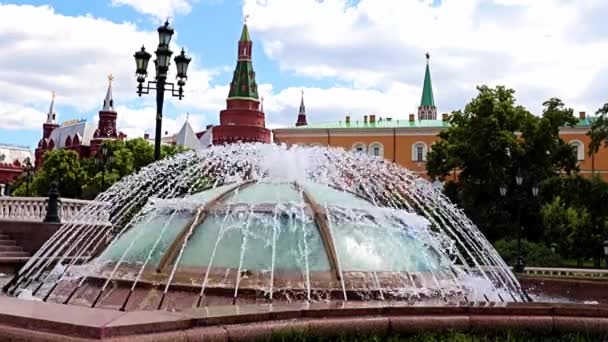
{"x":243,"y":119}
{"x":302,"y":113}
{"x":106,"y":127}
{"x":427,"y":109}
{"x":47,"y":128}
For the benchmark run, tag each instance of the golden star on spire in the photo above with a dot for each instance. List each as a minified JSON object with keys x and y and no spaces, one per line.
{"x":110,"y":78}
{"x":245,"y":18}
{"x":53,"y":94}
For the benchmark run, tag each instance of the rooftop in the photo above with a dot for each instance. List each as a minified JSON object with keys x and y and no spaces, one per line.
{"x":398,"y":123}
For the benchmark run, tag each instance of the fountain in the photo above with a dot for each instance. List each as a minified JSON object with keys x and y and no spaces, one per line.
{"x":259,"y":223}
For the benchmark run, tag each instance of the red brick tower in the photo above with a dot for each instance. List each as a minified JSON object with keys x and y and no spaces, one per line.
{"x":106,"y":129}
{"x":46,"y":143}
{"x":302,"y":114}
{"x":243,"y":119}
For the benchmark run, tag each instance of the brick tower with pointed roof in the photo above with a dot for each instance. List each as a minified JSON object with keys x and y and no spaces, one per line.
{"x":243,"y":119}
{"x":106,"y":127}
{"x":427,"y":109}
{"x":302,"y":113}
{"x":47,"y":128}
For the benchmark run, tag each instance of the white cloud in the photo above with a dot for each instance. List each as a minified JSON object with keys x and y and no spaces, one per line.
{"x":541,"y":48}
{"x":72,"y":55}
{"x":158,"y":8}
{"x":333,"y":104}
{"x":136,"y":122}
{"x":18,"y":117}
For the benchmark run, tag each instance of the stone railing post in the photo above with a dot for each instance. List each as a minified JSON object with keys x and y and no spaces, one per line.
{"x":52,"y":211}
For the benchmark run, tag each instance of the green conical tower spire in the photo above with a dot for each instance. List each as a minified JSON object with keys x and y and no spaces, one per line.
{"x":427,"y":89}
{"x":427,"y":109}
{"x":243,"y":85}
{"x":245,"y":34}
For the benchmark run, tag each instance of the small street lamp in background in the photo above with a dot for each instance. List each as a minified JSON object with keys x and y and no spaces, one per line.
{"x":29,"y":173}
{"x":519,"y":180}
{"x":553,"y":247}
{"x":606,"y":251}
{"x":104,"y":157}
{"x":161,"y":63}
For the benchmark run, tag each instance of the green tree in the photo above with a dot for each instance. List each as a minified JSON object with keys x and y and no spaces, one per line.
{"x":129,"y":156}
{"x":143,"y":152}
{"x":171,"y":150}
{"x":19,"y":187}
{"x":64,"y":167}
{"x":598,"y":133}
{"x":575,"y":215}
{"x":491,"y":141}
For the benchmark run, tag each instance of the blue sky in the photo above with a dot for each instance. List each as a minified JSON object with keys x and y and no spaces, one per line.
{"x":357,"y":57}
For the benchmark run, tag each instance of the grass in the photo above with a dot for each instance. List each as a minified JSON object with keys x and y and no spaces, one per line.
{"x":504,"y":336}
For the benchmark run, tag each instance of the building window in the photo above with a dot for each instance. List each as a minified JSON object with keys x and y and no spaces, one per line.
{"x":359,"y":148}
{"x":376,"y":149}
{"x":419,"y":151}
{"x":579,"y":149}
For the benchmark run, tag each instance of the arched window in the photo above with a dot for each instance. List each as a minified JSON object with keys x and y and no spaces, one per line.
{"x":51,"y":144}
{"x":376,"y":149}
{"x":359,"y":148}
{"x":76,"y":140}
{"x":419,"y":151}
{"x":68,"y":141}
{"x":579,"y":149}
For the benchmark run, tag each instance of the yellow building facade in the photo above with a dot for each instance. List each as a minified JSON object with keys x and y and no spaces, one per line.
{"x":407,"y":142}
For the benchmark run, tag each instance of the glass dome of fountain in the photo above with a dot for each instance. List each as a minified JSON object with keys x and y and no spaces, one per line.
{"x":273,"y":237}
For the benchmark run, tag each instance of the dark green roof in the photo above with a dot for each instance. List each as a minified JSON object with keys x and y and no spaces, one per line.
{"x":243,"y":85}
{"x":427,"y":90}
{"x":400,"y":123}
{"x":379,"y":124}
{"x":245,"y":34}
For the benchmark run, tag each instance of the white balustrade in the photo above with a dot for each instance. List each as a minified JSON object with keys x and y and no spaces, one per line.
{"x":34,"y":209}
{"x":558,"y":272}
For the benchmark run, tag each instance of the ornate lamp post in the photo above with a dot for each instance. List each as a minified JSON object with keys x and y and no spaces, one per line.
{"x":519,"y":179}
{"x":606,"y":251}
{"x":104,"y":157}
{"x":162,"y":61}
{"x":519,"y":265}
{"x":29,"y":173}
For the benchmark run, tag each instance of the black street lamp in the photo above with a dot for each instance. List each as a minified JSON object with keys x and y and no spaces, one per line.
{"x":519,"y":265}
{"x":104,"y":157}
{"x":29,"y":173}
{"x":606,"y":251}
{"x":161,"y":63}
{"x":519,"y":180}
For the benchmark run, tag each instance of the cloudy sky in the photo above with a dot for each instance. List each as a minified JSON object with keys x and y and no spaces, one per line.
{"x":348,"y":56}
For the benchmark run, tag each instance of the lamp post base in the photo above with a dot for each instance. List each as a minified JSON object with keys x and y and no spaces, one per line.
{"x":519,"y":266}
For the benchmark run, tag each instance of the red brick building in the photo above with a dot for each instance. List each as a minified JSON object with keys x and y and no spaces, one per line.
{"x":243,"y":119}
{"x":78,"y":135}
{"x":13,"y":159}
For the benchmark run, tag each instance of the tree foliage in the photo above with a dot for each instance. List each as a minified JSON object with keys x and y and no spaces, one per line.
{"x":491,"y":141}
{"x":87,"y":177}
{"x":63,"y":167}
{"x":599,"y":130}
